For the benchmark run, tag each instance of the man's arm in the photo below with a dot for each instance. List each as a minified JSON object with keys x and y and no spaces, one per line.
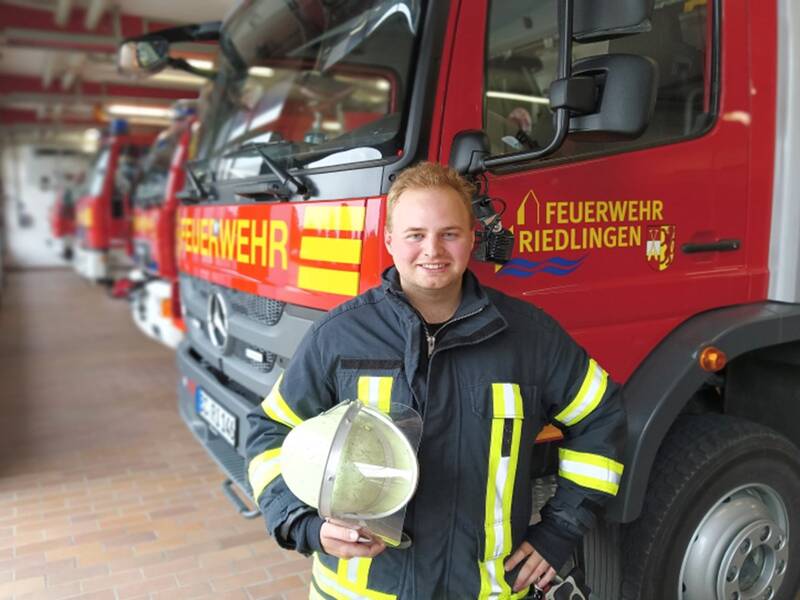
{"x":579,"y":398}
{"x":303,"y":391}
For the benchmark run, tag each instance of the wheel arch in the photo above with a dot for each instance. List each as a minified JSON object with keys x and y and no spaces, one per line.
{"x":659,"y":389}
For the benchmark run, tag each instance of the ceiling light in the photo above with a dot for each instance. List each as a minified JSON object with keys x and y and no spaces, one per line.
{"x":520,"y":97}
{"x":206,"y":65}
{"x":179,"y":77}
{"x":130,"y":110}
{"x":261,"y":71}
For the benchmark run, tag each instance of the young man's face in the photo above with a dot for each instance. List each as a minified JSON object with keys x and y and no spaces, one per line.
{"x":430,"y":240}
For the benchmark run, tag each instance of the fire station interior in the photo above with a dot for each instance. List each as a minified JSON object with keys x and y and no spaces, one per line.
{"x":108,"y":490}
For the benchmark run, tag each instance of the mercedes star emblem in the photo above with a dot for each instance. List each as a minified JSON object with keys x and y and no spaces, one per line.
{"x":217,"y":323}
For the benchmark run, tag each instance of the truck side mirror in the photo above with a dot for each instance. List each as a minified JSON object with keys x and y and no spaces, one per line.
{"x":148,"y":54}
{"x":139,"y":58}
{"x":582,"y":99}
{"x":626,"y":87}
{"x":469,"y":149}
{"x":597,"y":20}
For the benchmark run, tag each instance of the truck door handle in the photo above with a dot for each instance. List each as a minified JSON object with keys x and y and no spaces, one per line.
{"x":718,"y":246}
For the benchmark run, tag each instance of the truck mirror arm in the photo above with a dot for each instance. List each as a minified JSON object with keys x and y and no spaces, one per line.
{"x":184,"y":65}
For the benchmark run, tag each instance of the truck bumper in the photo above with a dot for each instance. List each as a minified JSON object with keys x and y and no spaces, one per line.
{"x":91,"y":264}
{"x":101,"y":265}
{"x":63,"y":246}
{"x":194,"y":377}
{"x":146,"y":308}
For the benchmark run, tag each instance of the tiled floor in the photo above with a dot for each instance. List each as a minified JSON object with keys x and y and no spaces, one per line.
{"x":103,"y":491}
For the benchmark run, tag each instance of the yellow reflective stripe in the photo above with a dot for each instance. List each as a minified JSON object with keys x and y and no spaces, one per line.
{"x":355,"y":570}
{"x":330,"y":249}
{"x":275,"y":407}
{"x":506,"y":401}
{"x":591,"y":471}
{"x":331,"y":281}
{"x":493,"y":583}
{"x":263,"y":469}
{"x":493,"y":571}
{"x":334,"y":218}
{"x":340,"y":588}
{"x":376,"y":392}
{"x":588,"y":397}
{"x":490,"y":516}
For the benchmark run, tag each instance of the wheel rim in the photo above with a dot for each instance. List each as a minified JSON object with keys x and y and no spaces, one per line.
{"x":739,"y":551}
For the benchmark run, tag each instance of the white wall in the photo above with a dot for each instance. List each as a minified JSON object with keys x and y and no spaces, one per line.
{"x":29,"y":185}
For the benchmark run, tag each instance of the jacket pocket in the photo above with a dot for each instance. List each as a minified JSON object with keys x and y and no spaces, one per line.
{"x":376,"y":382}
{"x":504,"y":400}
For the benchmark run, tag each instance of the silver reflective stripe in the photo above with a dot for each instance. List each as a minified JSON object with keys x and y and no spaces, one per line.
{"x":595,"y":472}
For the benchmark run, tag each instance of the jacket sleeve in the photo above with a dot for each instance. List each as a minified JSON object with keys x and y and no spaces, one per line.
{"x":301,"y":392}
{"x":580,"y":399}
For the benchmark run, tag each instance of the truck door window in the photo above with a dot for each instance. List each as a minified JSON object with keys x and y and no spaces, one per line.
{"x":151,"y":187}
{"x":521,"y":55}
{"x":124,"y":179}
{"x":97,"y":172}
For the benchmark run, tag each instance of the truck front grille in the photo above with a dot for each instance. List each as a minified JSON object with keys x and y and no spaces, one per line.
{"x":256,"y":308}
{"x":262,"y":312}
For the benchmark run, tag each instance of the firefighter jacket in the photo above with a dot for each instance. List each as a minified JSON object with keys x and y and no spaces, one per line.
{"x":496,"y":373}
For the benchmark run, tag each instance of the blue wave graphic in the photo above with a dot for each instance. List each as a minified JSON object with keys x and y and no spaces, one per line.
{"x":558,"y":266}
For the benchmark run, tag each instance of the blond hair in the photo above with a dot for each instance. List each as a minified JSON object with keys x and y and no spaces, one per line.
{"x":429,"y":175}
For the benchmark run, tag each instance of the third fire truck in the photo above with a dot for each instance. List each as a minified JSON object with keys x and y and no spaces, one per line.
{"x":103,"y":221}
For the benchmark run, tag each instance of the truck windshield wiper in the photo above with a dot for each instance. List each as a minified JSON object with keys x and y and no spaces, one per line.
{"x":288,"y":184}
{"x":196,"y":181}
{"x":196,"y":184}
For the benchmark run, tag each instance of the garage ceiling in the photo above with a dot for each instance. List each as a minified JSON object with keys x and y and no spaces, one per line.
{"x":58,"y":78}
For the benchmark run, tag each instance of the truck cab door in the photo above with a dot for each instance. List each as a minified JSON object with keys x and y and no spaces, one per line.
{"x":612,"y":237}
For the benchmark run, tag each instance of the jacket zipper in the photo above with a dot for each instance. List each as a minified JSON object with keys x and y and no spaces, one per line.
{"x":431,"y":339}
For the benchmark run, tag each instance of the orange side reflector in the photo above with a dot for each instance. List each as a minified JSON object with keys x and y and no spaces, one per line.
{"x":712,"y":359}
{"x":166,"y":308}
{"x":549,"y":433}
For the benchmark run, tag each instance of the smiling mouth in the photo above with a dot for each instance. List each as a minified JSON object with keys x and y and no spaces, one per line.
{"x":433,"y":266}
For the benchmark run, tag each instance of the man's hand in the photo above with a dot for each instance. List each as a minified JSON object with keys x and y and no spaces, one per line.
{"x":521,"y":118}
{"x":535,"y":570}
{"x":339,"y":540}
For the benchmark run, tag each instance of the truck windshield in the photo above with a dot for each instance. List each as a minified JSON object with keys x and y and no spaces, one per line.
{"x":312,"y":84}
{"x":150,"y":190}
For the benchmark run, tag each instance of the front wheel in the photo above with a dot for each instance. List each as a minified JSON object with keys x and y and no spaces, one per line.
{"x":721,"y":519}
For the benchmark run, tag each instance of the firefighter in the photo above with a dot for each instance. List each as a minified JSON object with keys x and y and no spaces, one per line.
{"x":486,"y":372}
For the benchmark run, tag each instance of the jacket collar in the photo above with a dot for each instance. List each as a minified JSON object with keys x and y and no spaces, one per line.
{"x":476,"y":316}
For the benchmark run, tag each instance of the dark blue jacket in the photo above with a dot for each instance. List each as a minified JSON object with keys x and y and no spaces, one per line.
{"x":499,"y":370}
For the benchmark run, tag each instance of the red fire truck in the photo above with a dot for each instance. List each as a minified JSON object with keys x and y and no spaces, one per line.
{"x":154,"y":299}
{"x":62,"y":221}
{"x":103,"y":237}
{"x":671,"y":251}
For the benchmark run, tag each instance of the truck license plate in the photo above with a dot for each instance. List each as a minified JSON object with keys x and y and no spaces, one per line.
{"x":221,"y":421}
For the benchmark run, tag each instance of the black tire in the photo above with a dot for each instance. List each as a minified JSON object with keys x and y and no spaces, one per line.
{"x":602,"y":560}
{"x":702,"y":462}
